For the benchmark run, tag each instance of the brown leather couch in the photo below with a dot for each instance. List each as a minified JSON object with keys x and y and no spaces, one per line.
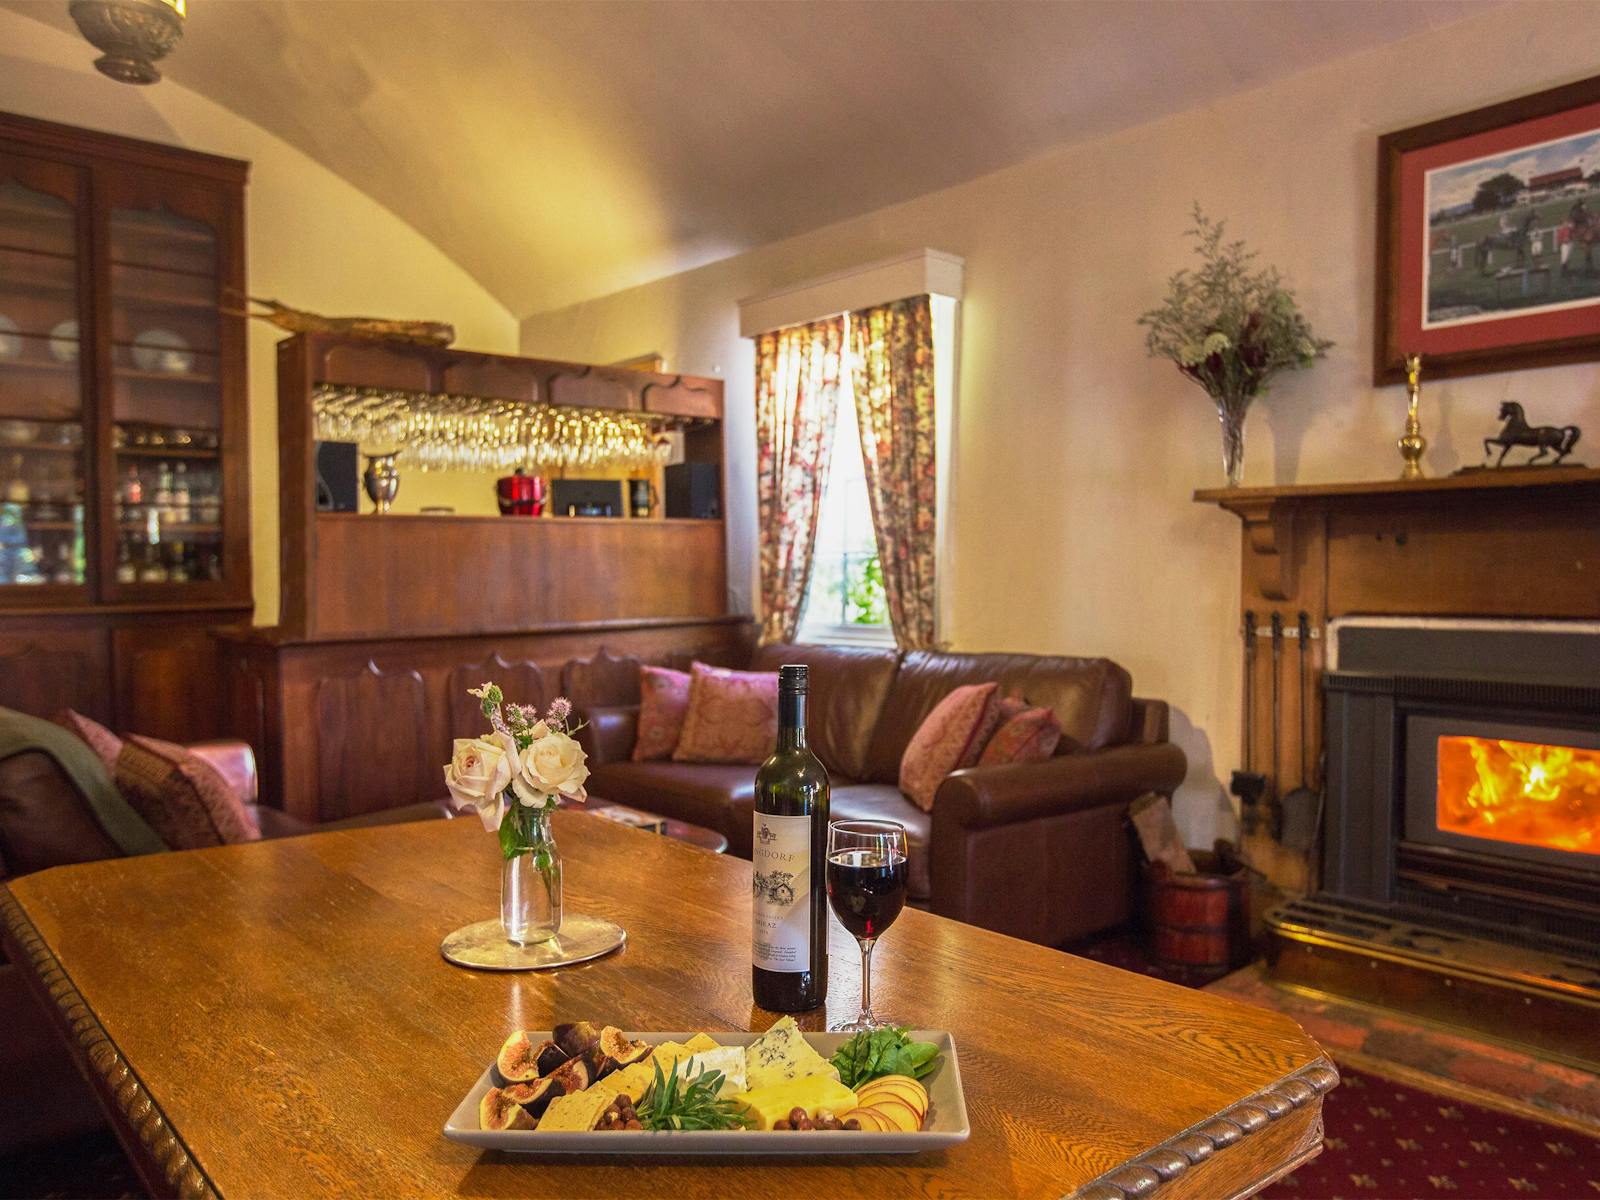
{"x":1037,"y":850}
{"x":46,"y":822}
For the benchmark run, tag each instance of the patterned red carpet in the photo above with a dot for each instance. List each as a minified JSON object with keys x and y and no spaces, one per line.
{"x":1395,"y":1142}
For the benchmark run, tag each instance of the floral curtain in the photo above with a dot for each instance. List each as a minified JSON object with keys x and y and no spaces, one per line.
{"x":797,"y":398}
{"x":892,"y":363}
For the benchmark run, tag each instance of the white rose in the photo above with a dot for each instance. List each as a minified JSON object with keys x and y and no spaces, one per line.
{"x":480,"y":770}
{"x":553,"y":765}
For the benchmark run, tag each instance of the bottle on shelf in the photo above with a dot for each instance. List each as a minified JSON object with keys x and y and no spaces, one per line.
{"x":151,"y":568}
{"x":17,"y":490}
{"x":127,"y":572}
{"x":789,"y":951}
{"x":133,"y":489}
{"x":179,"y":570}
{"x":163,"y":496}
{"x":63,"y":571}
{"x":182,"y":510}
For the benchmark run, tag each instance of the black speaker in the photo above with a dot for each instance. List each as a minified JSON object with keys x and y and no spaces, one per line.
{"x":694,"y":490}
{"x":586,"y":497}
{"x":338,"y":477}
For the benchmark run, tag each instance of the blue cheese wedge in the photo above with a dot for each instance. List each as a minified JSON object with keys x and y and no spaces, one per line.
{"x":781,"y":1054}
{"x":727,"y":1059}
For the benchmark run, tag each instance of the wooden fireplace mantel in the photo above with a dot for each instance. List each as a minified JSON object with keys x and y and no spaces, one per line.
{"x":1515,"y":543}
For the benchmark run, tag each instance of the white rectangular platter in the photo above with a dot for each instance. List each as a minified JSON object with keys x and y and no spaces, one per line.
{"x":945,"y":1125}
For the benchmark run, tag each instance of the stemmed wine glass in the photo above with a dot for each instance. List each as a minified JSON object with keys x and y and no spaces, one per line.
{"x":867,"y":890}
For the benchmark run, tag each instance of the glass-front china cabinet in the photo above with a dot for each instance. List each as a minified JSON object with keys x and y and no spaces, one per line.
{"x":123,"y":472}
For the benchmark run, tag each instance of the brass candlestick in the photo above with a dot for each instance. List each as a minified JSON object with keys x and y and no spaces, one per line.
{"x":1412,"y":444}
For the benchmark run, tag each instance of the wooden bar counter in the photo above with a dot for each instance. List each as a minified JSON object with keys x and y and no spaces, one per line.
{"x":275,"y":1020}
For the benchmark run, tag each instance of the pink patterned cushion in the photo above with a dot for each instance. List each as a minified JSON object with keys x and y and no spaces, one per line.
{"x":664,"y":702}
{"x":181,"y":796}
{"x":732,"y":717}
{"x":1031,"y":735}
{"x":102,"y":741}
{"x":949,"y":738}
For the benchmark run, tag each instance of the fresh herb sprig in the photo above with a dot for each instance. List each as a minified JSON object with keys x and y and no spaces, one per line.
{"x":883,"y":1052}
{"x":687,"y":1103}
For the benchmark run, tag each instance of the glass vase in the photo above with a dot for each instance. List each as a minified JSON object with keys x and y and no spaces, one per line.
{"x":530,"y":884}
{"x":1231,"y":412}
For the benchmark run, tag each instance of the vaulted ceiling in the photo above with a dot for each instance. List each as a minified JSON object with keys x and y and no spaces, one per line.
{"x":561,"y":150}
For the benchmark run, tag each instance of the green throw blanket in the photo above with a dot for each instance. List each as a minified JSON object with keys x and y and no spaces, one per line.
{"x":20,"y":733}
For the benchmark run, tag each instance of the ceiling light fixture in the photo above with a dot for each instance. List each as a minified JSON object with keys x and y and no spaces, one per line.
{"x":132,"y":33}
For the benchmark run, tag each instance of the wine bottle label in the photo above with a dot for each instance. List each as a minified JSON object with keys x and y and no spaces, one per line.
{"x":781,"y":888}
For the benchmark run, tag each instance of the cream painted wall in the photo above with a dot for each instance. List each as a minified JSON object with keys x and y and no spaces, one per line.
{"x":1076,"y":455}
{"x":314,"y":242}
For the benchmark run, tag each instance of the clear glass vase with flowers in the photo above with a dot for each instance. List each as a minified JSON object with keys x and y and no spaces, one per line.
{"x":1230,"y":327}
{"x":513,"y":778}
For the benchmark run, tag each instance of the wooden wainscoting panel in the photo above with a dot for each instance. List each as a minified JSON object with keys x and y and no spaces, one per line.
{"x":47,"y":667}
{"x":369,"y":752}
{"x":168,"y":683}
{"x":522,"y":682}
{"x":602,"y":678}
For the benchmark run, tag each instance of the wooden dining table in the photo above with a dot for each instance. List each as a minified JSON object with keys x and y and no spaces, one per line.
{"x":275,"y":1020}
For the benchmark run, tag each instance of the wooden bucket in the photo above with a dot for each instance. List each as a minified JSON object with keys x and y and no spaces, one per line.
{"x":1200,"y":921}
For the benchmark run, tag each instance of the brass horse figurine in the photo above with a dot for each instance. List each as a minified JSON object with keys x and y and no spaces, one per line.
{"x":1517,"y":432}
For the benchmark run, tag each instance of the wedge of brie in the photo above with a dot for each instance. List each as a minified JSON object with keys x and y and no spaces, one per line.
{"x":727,"y":1059}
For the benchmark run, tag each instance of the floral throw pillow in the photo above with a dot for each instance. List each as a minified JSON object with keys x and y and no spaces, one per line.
{"x":732,"y":717}
{"x":181,"y":796}
{"x":950,"y":737}
{"x":105,"y":744}
{"x":1031,"y":735}
{"x":663,"y":704}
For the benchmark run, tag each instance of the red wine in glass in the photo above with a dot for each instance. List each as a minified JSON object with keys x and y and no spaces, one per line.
{"x":866,"y":889}
{"x":866,"y":872}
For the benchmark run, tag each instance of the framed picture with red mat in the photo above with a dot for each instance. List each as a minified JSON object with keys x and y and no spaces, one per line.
{"x":1489,"y":238}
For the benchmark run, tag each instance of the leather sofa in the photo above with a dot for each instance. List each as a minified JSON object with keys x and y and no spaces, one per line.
{"x":1039,"y":850}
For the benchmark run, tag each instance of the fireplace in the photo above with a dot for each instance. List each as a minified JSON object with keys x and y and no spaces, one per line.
{"x":1464,"y":775}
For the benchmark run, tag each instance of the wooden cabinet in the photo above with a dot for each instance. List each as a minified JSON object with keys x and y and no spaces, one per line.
{"x":124,"y":489}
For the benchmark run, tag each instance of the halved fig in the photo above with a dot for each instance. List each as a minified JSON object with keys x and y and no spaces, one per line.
{"x":614,"y":1044}
{"x":576,"y":1037}
{"x":535,"y":1097}
{"x":571,"y":1076}
{"x":550,"y":1056}
{"x":497,"y":1111}
{"x":518,"y":1060}
{"x":599,"y":1065}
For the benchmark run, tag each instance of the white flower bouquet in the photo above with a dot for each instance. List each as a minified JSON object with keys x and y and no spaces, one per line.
{"x":523,"y":766}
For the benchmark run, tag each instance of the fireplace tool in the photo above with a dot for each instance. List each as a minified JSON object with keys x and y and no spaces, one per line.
{"x":1274,"y":811}
{"x":1248,"y":784}
{"x":1298,"y":810}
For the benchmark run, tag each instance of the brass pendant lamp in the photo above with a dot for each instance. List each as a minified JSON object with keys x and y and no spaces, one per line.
{"x":132,"y":34}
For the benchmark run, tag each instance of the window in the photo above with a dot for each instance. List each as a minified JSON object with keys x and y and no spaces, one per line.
{"x":846,"y":601}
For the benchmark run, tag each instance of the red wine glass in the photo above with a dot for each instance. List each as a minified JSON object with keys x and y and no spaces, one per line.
{"x":866,"y":890}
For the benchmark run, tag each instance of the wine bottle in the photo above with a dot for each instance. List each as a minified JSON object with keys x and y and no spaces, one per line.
{"x":789,"y":945}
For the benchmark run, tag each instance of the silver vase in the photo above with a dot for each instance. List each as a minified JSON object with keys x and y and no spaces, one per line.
{"x":382,"y":480}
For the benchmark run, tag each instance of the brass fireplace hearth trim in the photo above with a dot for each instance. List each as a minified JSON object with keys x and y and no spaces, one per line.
{"x":1545,"y":1012}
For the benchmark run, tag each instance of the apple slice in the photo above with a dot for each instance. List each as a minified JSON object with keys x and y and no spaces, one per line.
{"x":870,"y":1120}
{"x":901,"y":1087}
{"x":899,"y":1114}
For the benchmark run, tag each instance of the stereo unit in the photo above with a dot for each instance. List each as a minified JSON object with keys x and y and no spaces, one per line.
{"x":694,"y":489}
{"x":586,"y":498}
{"x":338,"y":477}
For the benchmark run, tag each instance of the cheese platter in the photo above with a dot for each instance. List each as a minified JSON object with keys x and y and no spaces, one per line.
{"x":584,"y":1089}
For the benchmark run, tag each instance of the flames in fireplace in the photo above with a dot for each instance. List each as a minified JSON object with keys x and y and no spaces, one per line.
{"x":1522,"y":792}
